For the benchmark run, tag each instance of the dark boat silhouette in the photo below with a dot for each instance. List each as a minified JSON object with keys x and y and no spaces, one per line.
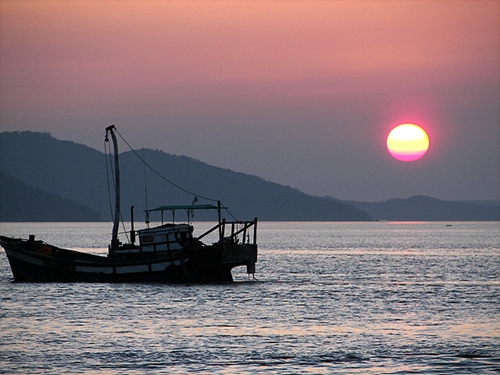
{"x":168,"y":253}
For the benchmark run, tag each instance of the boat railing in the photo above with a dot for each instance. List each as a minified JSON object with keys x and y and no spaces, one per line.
{"x":247,"y":230}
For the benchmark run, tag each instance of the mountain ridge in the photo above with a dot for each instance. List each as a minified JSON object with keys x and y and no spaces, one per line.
{"x":22,"y":203}
{"x":77,"y":172}
{"x":425,"y":208}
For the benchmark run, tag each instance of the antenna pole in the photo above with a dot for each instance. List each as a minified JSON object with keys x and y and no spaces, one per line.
{"x":114,"y":238}
{"x":145,"y":178}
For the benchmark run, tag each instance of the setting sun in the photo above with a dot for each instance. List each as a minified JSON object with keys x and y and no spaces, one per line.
{"x":407,"y":142}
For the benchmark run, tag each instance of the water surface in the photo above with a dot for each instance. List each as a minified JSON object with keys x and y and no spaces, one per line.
{"x":347,"y":298}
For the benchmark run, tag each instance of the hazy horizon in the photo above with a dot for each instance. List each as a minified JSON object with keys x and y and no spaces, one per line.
{"x":298,"y":93}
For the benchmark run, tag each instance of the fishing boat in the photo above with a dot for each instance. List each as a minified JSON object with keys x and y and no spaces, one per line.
{"x":166,"y":252}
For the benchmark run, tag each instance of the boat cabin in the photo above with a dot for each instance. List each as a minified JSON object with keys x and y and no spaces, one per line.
{"x":171,"y":236}
{"x":165,"y":237}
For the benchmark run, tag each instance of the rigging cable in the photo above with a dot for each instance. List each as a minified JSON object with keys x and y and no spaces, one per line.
{"x":166,"y":179}
{"x":159,"y":174}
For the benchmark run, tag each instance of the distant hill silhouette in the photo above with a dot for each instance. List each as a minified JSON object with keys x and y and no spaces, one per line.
{"x":20,"y":202}
{"x":78,"y":173}
{"x":424,"y":208}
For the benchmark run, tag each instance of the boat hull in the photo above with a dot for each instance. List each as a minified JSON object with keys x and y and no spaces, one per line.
{"x":46,"y":263}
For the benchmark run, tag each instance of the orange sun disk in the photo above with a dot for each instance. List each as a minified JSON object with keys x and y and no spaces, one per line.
{"x":407,"y":142}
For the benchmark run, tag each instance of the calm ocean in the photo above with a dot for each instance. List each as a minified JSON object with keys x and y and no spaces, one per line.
{"x":329,"y":298}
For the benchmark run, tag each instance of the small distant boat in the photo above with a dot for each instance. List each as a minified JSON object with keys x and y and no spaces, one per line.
{"x":168,"y":253}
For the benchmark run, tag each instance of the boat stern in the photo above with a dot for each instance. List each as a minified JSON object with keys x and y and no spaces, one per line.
{"x":235,"y":255}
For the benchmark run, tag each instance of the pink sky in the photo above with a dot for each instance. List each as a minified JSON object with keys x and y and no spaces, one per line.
{"x":300,"y":93}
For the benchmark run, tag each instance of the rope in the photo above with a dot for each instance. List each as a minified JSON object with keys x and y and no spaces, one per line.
{"x":159,"y":174}
{"x":166,"y":179}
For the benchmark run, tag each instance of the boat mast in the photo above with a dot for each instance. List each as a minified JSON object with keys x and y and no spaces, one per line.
{"x":114,"y":239}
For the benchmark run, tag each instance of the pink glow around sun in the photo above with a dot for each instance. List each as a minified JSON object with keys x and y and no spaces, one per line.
{"x":407,"y":142}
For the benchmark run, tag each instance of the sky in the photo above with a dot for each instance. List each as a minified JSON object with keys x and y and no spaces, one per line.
{"x":302,"y":93}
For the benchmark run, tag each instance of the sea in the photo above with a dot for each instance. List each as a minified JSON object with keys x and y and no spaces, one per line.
{"x":326,"y":298}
